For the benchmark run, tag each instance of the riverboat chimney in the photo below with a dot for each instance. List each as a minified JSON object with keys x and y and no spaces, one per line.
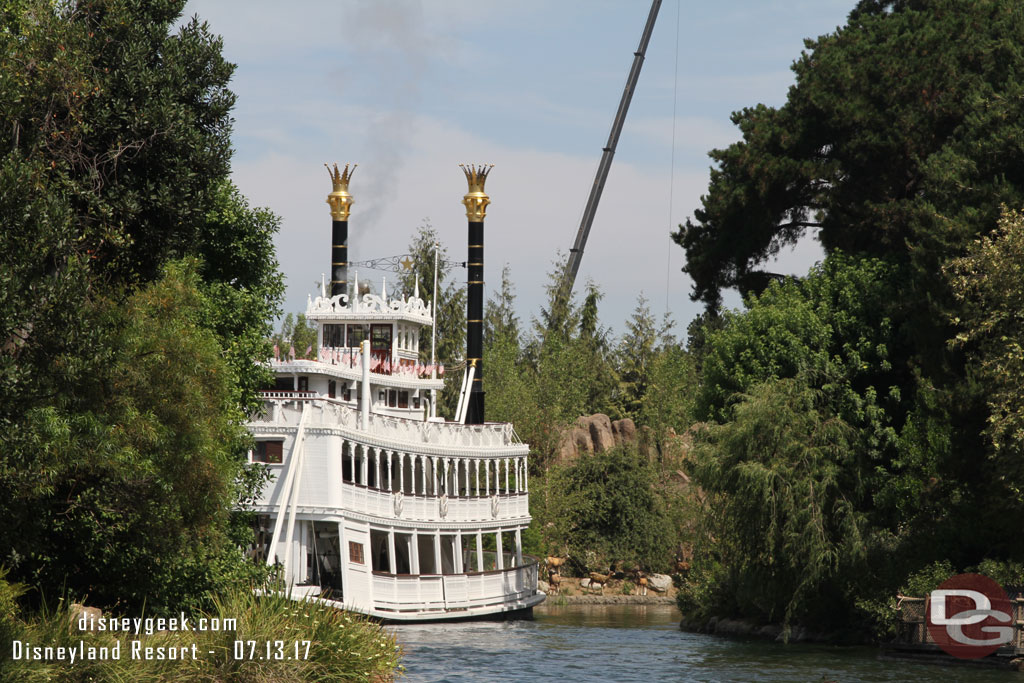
{"x":476,"y":201}
{"x":339,"y":200}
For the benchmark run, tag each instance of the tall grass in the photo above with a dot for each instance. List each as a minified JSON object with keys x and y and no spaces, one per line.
{"x":342,"y":646}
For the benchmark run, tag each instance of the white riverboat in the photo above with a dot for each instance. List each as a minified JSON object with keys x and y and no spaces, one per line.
{"x":374,"y":503}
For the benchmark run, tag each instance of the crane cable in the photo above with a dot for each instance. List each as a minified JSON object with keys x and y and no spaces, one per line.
{"x":672,"y":171}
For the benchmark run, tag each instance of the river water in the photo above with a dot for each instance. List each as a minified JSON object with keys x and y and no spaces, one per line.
{"x":577,"y":643}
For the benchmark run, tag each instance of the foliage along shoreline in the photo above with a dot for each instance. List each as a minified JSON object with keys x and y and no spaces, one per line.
{"x":848,"y":434}
{"x":137,"y":286}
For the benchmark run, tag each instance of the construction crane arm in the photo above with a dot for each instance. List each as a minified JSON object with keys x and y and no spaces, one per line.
{"x":572,"y":266}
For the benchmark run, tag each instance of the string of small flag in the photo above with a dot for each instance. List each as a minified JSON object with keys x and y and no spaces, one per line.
{"x":351,"y":358}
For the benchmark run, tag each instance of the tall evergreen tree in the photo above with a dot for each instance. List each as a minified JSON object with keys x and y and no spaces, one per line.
{"x":635,"y":355}
{"x":451,"y":310}
{"x":120,"y":401}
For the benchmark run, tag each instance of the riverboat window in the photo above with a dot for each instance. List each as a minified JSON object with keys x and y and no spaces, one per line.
{"x":356,"y":334}
{"x":380,"y":347}
{"x":268,"y":452}
{"x":332,"y":388}
{"x":284,"y":384}
{"x":355,"y":552}
{"x":303,"y":384}
{"x":334,"y":335}
{"x":397,"y":399}
{"x":346,"y":392}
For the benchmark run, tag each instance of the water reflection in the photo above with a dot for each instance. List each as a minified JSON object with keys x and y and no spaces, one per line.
{"x":639,"y":643}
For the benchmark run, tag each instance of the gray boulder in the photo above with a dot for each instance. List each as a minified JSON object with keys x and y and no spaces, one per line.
{"x":659,"y":582}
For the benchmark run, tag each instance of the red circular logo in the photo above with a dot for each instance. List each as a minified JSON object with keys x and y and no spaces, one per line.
{"x":969,"y":616}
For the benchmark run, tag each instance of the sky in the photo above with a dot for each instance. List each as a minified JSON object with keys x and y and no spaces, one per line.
{"x":408,"y":89}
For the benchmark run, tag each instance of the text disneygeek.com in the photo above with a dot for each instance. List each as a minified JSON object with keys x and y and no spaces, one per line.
{"x":137,"y":648}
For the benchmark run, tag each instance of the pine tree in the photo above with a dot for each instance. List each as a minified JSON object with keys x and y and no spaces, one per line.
{"x":636,"y":352}
{"x":451,"y":310}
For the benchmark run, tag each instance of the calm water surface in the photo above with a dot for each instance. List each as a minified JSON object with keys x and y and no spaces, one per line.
{"x":636,"y":643}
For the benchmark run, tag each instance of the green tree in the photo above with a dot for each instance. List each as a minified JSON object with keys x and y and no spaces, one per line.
{"x":669,"y":401}
{"x":242,"y":285}
{"x":635,"y":356}
{"x":296,"y":334}
{"x":451,"y":310}
{"x":500,"y":319}
{"x":608,"y":507}
{"x":785,"y":496}
{"x":891,"y":143}
{"x":507,"y":383}
{"x":136,"y":459}
{"x":114,"y":165}
{"x":989,"y":280}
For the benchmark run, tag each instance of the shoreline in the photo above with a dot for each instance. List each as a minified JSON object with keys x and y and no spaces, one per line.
{"x":564,"y":600}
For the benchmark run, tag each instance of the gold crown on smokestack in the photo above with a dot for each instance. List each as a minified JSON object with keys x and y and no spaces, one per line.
{"x":476,"y":200}
{"x":340,"y":200}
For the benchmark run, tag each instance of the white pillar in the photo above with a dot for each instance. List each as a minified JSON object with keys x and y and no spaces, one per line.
{"x":391,"y":551}
{"x":501,"y":558}
{"x":459,"y":568}
{"x":365,"y":467}
{"x":487,"y":477}
{"x":506,"y":477}
{"x":519,"y":548}
{"x":476,"y":469}
{"x":388,"y":484}
{"x":414,"y":552}
{"x":515,"y":467}
{"x":437,"y":552}
{"x":352,"y":460}
{"x":401,"y":472}
{"x":479,"y":551}
{"x":364,"y":386}
{"x":526,"y":476}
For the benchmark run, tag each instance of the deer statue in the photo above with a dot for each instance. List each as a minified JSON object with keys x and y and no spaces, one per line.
{"x":599,"y":579}
{"x":555,"y":563}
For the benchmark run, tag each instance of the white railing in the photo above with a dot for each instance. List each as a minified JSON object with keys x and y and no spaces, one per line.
{"x":429,"y":508}
{"x":417,"y":375}
{"x":288,"y":394}
{"x":389,"y":428}
{"x":471,"y":591}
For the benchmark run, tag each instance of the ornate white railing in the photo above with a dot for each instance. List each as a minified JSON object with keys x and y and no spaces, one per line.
{"x":433,"y":509}
{"x":326,"y":413}
{"x":476,"y":590}
{"x":288,"y":394}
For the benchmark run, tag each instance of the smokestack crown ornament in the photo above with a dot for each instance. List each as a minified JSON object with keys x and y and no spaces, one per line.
{"x":339,"y":199}
{"x":476,"y":200}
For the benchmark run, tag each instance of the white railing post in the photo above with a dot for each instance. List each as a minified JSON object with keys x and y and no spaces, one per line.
{"x":364,"y":386}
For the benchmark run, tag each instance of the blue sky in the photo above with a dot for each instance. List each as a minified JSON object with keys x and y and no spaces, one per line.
{"x":408,"y":89}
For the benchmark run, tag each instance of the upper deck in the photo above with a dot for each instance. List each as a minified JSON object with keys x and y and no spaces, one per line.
{"x":283,"y":412}
{"x":370,"y":307}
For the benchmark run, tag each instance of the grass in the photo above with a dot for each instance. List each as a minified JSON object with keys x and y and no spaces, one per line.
{"x":342,"y":647}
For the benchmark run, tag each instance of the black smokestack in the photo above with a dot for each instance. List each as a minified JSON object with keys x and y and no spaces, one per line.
{"x":340,"y":201}
{"x":476,"y":201}
{"x":339,"y":257}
